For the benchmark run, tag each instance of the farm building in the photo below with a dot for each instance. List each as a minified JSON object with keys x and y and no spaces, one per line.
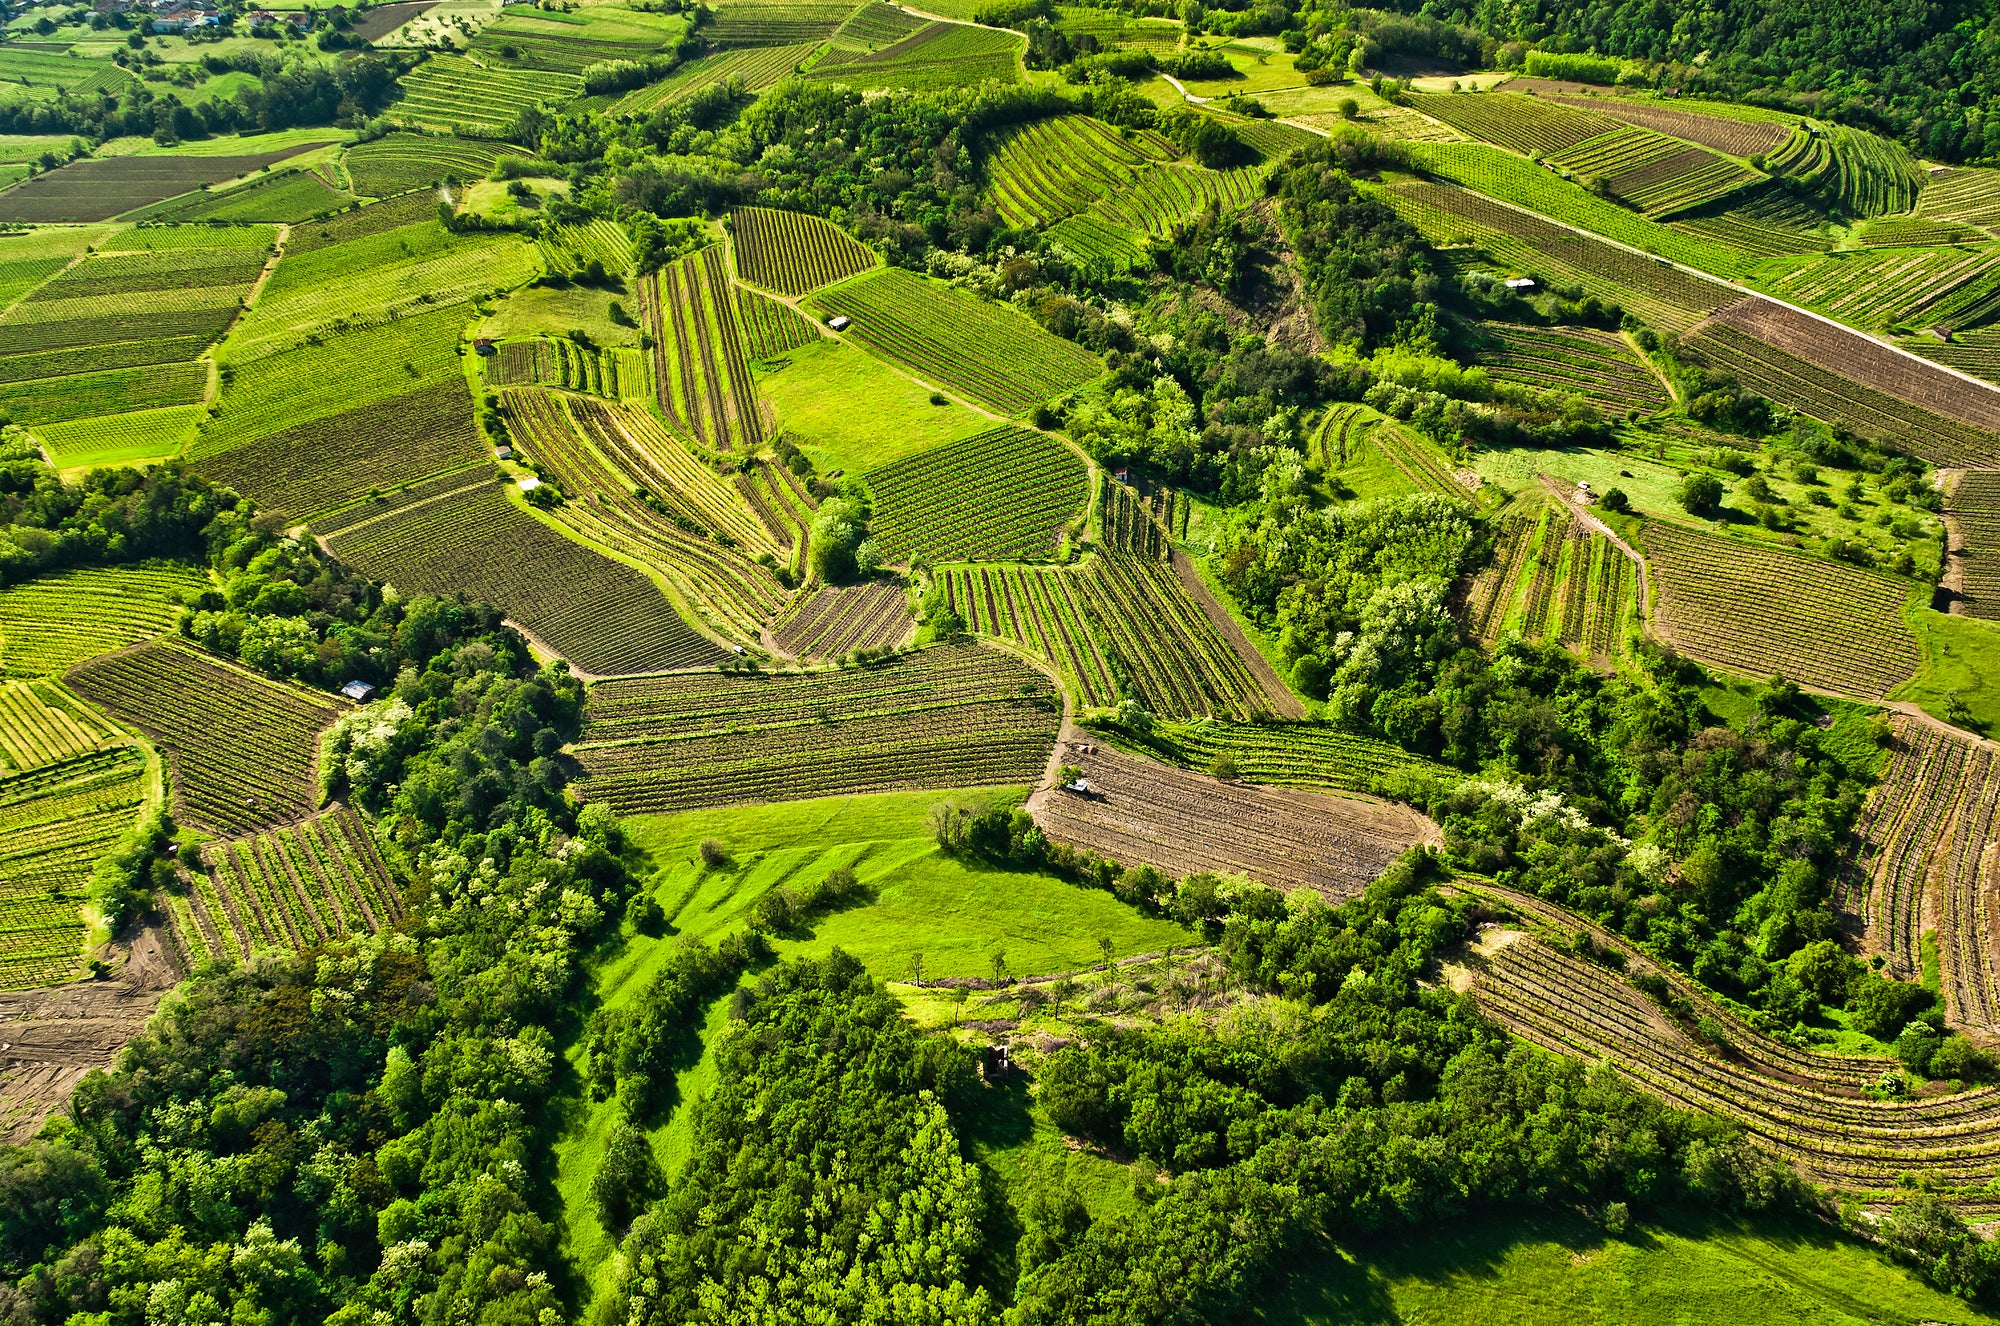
{"x":358,"y":691}
{"x":1519,"y":283}
{"x":839,"y":322}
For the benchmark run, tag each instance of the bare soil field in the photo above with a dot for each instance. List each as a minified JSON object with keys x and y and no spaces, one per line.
{"x":1181,"y":822}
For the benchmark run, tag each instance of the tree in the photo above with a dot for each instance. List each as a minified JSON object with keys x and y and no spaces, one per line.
{"x":1701,"y":495}
{"x":627,"y":1178}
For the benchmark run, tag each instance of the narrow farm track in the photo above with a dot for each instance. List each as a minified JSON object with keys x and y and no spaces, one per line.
{"x":1279,"y":699}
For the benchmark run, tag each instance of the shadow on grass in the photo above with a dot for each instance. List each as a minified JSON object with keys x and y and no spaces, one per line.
{"x":1353,"y":1284}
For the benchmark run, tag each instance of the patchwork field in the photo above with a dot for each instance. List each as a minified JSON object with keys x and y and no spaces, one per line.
{"x":1554,"y":580}
{"x":55,"y":821}
{"x":841,"y":619}
{"x":938,"y":55}
{"x":451,"y":92}
{"x":290,"y":889}
{"x":53,"y":622}
{"x":793,"y":253}
{"x":1005,"y":495}
{"x":97,"y":189}
{"x":701,"y":366}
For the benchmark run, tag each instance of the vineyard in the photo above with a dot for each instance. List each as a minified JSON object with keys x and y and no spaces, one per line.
{"x":793,"y":253}
{"x":318,"y":467}
{"x":1974,"y":508}
{"x":1003,"y":495}
{"x":1968,"y":196}
{"x":452,"y":92}
{"x":1870,"y":288}
{"x":950,"y":716}
{"x":41,"y":722}
{"x":608,"y":461}
{"x":1537,"y":126}
{"x":1554,"y":580}
{"x":1729,"y":136}
{"x":1574,"y":359}
{"x":1658,"y":175}
{"x":1040,"y":610}
{"x":755,"y":67}
{"x":99,"y":188}
{"x":241,"y":747}
{"x":55,"y":822}
{"x":1310,"y":755}
{"x":1760,"y":610}
{"x":55,"y":621}
{"x":286,"y":195}
{"x":1851,"y":380}
{"x":771,"y":329}
{"x":1139,"y":811}
{"x":290,"y":889}
{"x":528,"y":38}
{"x":397,"y":163}
{"x":561,"y":362}
{"x":774,"y":23}
{"x":1805,"y":1108}
{"x":601,"y":615}
{"x":992,"y":354}
{"x":1139,"y":524}
{"x":1178,"y":663}
{"x":700,"y":371}
{"x":1666,"y":297}
{"x":836,"y":620}
{"x":1049,"y":169}
{"x":938,"y":55}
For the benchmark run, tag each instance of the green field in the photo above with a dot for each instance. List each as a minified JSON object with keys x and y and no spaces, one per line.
{"x":852,"y":411}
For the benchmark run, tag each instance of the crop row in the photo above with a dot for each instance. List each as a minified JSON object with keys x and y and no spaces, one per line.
{"x":948,"y":717}
{"x":1181,"y":822}
{"x":1968,"y":921}
{"x":1582,"y":1009}
{"x":55,"y":822}
{"x":1656,"y":174}
{"x":793,"y":253}
{"x":41,"y":723}
{"x":1135,"y":524}
{"x":559,"y":362}
{"x":1417,"y":459}
{"x":53,"y":622}
{"x":1534,"y":125}
{"x":1751,"y":237}
{"x":1049,"y":169}
{"x":99,"y":188}
{"x":1090,"y":237}
{"x":937,"y":56}
{"x":601,"y":615}
{"x":344,"y":458}
{"x":615,"y":509}
{"x":876,"y":25}
{"x":701,"y":372}
{"x":1040,"y":610}
{"x":287,"y":195}
{"x":633,"y":441}
{"x":1761,"y":610}
{"x":1002,"y":495}
{"x":1970,"y":195}
{"x":1873,"y":288}
{"x":241,"y":746}
{"x":1166,"y":194}
{"x":1974,"y":506}
{"x":400,"y":162}
{"x":754,"y":68}
{"x":572,"y":247}
{"x":1288,"y":754}
{"x":293,"y":888}
{"x":775,"y":24}
{"x":1883,"y":397}
{"x":1575,"y":359}
{"x":838,"y":620}
{"x":1179,"y":663}
{"x":450,"y":91}
{"x":1733,"y":137}
{"x":771,"y":329}
{"x":994,"y":355}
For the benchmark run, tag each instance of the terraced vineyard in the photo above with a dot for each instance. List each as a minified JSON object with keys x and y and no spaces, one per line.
{"x":55,"y":621}
{"x":774,"y":23}
{"x":993,"y":355}
{"x":240,"y":747}
{"x":793,"y":253}
{"x":1759,"y":610}
{"x":949,"y":716}
{"x":1141,"y":811}
{"x":1974,"y":507}
{"x":1041,"y":610}
{"x":836,"y":620}
{"x":609,"y":460}
{"x":1966,"y":195}
{"x":1003,"y":495}
{"x":1807,"y":1109}
{"x":1535,"y":125}
{"x":1729,"y":135}
{"x":1870,"y":288}
{"x":1573,"y":359}
{"x":452,"y":92}
{"x":1848,"y":379}
{"x":1050,"y":169}
{"x":464,"y":534}
{"x":701,"y":371}
{"x":290,"y":889}
{"x":1660,"y":176}
{"x":771,"y":329}
{"x":561,"y":362}
{"x":55,"y":822}
{"x":755,"y":67}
